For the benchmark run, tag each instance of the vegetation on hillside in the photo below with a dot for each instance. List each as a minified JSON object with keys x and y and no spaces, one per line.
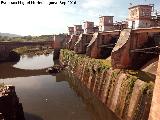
{"x":26,"y":38}
{"x":33,"y":50}
{"x":2,"y":86}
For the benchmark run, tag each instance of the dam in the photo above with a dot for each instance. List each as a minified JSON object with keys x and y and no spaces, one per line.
{"x":110,"y":72}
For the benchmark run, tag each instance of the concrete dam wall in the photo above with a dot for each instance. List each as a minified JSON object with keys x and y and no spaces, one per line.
{"x":154,"y":112}
{"x":124,"y":92}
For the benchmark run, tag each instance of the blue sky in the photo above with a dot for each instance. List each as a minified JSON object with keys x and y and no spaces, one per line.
{"x":54,"y":19}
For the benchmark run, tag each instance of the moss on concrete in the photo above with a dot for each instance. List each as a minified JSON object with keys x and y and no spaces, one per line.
{"x":2,"y":85}
{"x":78,"y":58}
{"x":93,"y":68}
{"x":146,"y":77}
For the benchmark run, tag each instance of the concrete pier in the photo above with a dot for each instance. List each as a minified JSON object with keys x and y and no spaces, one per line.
{"x":135,"y":47}
{"x":155,"y":107}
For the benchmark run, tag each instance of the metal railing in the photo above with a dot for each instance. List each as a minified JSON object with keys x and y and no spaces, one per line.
{"x":149,"y":50}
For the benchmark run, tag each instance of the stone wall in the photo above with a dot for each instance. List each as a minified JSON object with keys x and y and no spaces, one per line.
{"x":98,"y":109}
{"x":98,"y":48}
{"x":122,"y":91}
{"x":71,"y":43}
{"x":92,"y":49}
{"x":82,"y":43}
{"x":120,"y":53}
{"x":124,"y":54}
{"x":59,"y":41}
{"x":10,"y":108}
{"x":155,"y":111}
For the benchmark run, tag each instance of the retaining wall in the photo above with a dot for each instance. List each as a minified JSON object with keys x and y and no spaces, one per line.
{"x":155,"y":108}
{"x":122,"y":91}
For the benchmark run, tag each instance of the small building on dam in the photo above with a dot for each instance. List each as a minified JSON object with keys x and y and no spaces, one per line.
{"x":132,"y":46}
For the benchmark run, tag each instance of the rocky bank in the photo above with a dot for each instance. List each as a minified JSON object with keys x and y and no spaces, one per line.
{"x":10,"y":107}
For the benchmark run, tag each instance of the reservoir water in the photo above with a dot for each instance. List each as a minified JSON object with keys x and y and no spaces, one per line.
{"x":51,"y":97}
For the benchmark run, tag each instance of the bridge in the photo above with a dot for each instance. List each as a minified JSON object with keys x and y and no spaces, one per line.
{"x":7,"y":47}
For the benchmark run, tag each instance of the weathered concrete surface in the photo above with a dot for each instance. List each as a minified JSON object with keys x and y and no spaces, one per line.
{"x":88,"y":27}
{"x":114,"y":99}
{"x":59,"y":42}
{"x":71,"y":43}
{"x":151,"y":66}
{"x":100,"y":111}
{"x":122,"y":91}
{"x":124,"y":54}
{"x":81,"y":45}
{"x":10,"y":107}
{"x":78,"y":30}
{"x":135,"y":101}
{"x":98,"y":48}
{"x":90,"y":52}
{"x":155,"y":107}
{"x":116,"y":55}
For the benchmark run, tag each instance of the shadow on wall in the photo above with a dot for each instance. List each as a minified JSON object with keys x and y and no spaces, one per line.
{"x":141,"y":58}
{"x":105,"y":52}
{"x":11,"y":57}
{"x":56,"y":54}
{"x":29,"y":116}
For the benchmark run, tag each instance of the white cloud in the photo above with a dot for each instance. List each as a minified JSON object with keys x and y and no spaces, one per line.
{"x":96,"y":3}
{"x":45,"y":19}
{"x":35,"y":19}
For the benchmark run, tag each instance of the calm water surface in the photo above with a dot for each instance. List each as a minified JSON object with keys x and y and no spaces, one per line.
{"x":48,"y":97}
{"x":34,"y":62}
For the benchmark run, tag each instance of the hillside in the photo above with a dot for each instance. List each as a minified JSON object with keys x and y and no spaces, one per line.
{"x":14,"y":37}
{"x":9,"y":35}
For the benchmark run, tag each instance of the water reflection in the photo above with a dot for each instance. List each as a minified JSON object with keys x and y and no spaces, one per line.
{"x":28,"y":65}
{"x":8,"y":71}
{"x":35,"y":62}
{"x":62,"y":103}
{"x":98,"y":109}
{"x":47,"y":97}
{"x":29,"y":116}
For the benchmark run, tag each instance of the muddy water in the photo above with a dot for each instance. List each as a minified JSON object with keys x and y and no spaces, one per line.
{"x":51,"y":97}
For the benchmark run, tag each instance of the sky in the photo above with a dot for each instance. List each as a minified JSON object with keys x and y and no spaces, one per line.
{"x":44,"y":19}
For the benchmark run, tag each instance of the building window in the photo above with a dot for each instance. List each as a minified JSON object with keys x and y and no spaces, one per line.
{"x":101,"y":20}
{"x":143,"y":13}
{"x":132,"y":13}
{"x":147,"y":14}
